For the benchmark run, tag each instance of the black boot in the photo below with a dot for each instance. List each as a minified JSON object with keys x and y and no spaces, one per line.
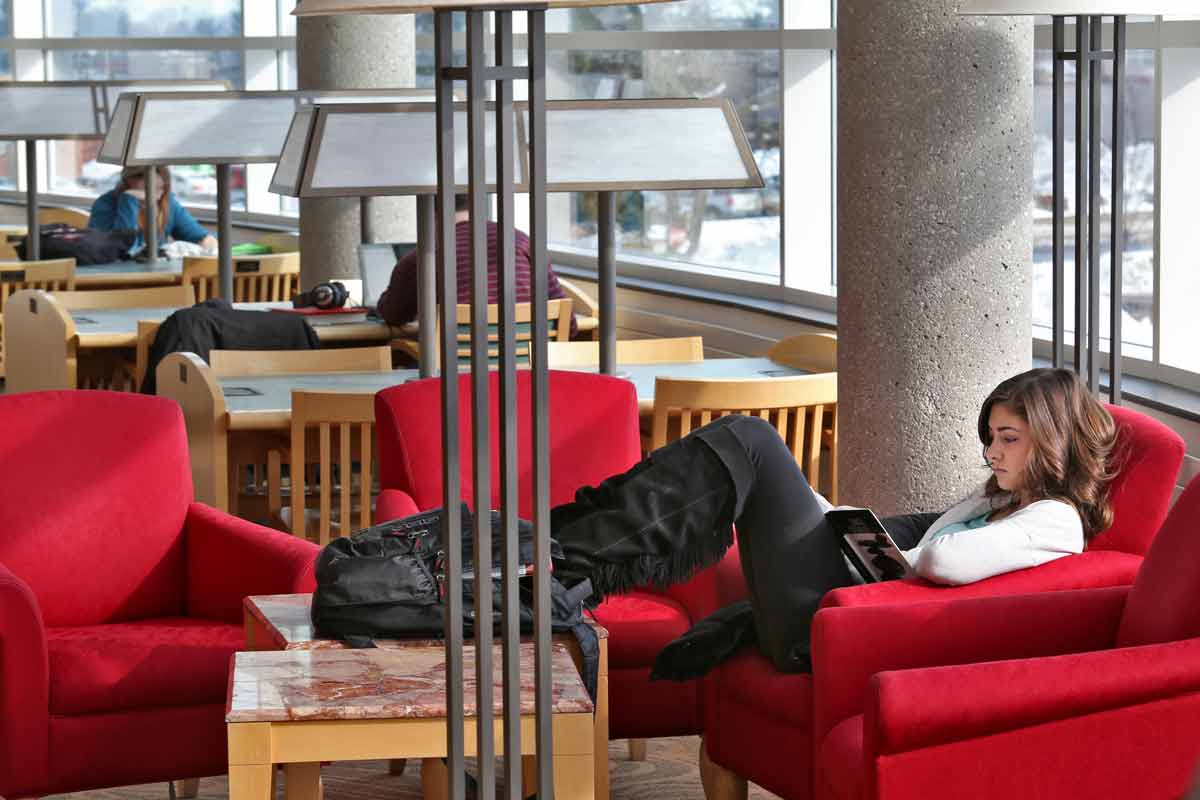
{"x":657,"y":523}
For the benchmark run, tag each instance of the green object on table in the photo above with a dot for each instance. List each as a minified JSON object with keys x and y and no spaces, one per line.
{"x":251,"y":249}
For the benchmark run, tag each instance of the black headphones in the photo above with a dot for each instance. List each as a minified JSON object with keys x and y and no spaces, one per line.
{"x":324,"y":295}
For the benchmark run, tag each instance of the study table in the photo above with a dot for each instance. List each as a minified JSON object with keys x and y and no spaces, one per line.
{"x":57,"y":345}
{"x":224,"y":412}
{"x":129,"y":274}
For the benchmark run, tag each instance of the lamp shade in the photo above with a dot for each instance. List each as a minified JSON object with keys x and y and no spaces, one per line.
{"x":1075,"y":8}
{"x":318,"y":8}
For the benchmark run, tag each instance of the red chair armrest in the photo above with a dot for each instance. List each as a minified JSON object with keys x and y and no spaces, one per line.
{"x":1092,"y":569}
{"x":24,"y":690}
{"x":229,"y":559}
{"x":912,"y":709}
{"x":852,"y":644}
{"x":394,"y":504}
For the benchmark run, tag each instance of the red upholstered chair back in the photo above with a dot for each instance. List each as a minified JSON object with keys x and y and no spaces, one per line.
{"x":1147,"y":456}
{"x":593,"y":434}
{"x":1163,"y":605}
{"x":94,"y":488}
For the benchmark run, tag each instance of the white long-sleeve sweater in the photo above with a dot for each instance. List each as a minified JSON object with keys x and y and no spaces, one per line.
{"x":1038,"y":533}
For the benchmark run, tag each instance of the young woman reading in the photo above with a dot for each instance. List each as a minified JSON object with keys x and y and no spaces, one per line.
{"x":1045,"y":438}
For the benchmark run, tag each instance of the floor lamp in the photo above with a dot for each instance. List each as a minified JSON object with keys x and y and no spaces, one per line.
{"x":1088,"y":54}
{"x":479,"y":76}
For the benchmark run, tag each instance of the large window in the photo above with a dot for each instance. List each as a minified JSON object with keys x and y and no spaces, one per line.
{"x":1161,"y":264}
{"x":779,"y":77}
{"x":773,"y":59}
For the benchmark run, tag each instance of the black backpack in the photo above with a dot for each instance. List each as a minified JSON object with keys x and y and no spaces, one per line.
{"x":87,"y":246}
{"x":387,"y":582}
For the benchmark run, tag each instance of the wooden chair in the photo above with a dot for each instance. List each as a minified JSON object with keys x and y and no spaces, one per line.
{"x":153,"y":297}
{"x":71,"y":216}
{"x":257,"y":279}
{"x":796,"y":407}
{"x":558,"y":314}
{"x":812,"y":352}
{"x":281,"y":242}
{"x":683,"y":349}
{"x":7,"y":252}
{"x":51,"y":276}
{"x":336,"y":417}
{"x":247,"y":456}
{"x":587,"y":310}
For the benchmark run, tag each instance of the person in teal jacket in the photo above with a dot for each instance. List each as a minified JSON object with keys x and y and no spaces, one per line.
{"x":122,"y":209}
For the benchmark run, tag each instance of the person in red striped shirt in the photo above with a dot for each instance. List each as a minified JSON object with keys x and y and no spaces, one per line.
{"x":398,"y":304}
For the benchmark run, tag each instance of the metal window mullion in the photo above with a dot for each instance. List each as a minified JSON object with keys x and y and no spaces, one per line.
{"x":34,"y":239}
{"x":543,"y":678}
{"x":1156,"y":342}
{"x":1116,"y":245}
{"x":606,"y":266}
{"x":451,"y":492}
{"x":480,"y":416}
{"x":1058,"y":267}
{"x":508,"y":439}
{"x":1082,"y":70}
{"x":1095,"y":151}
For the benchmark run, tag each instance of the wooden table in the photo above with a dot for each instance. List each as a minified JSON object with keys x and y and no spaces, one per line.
{"x":217,"y":410}
{"x":128,"y":274}
{"x":301,"y":707}
{"x":54,"y":342}
{"x":284,"y":622}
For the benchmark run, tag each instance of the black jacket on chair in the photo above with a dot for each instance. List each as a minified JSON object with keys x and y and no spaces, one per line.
{"x":216,"y":325}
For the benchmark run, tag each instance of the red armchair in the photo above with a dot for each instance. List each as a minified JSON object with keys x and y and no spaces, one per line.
{"x":120,"y":598}
{"x":593,"y":434}
{"x":1087,"y":693}
{"x":759,"y":722}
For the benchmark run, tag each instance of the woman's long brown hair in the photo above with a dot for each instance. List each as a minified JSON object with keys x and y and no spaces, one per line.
{"x":1072,"y":436}
{"x":164,"y":199}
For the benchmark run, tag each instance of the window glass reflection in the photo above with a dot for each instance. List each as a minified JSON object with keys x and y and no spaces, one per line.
{"x":143,"y":18}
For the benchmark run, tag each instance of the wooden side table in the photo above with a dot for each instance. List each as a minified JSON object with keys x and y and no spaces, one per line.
{"x":284,"y":622}
{"x":301,"y":707}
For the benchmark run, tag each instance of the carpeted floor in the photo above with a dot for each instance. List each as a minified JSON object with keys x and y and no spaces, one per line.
{"x":668,"y":773}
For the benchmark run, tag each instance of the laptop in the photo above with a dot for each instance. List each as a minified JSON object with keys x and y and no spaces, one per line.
{"x":375,"y":264}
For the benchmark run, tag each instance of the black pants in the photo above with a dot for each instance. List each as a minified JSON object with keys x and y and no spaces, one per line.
{"x":672,"y":514}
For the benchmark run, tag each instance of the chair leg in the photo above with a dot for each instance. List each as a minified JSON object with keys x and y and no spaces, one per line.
{"x":637,"y":749}
{"x":434,"y":779}
{"x":187,"y":788}
{"x":720,"y":783}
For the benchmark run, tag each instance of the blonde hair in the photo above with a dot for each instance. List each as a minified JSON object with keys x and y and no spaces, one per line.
{"x":1072,"y":437}
{"x":164,"y":197}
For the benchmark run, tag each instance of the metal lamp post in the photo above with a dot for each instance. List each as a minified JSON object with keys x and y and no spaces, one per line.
{"x":1088,"y":54}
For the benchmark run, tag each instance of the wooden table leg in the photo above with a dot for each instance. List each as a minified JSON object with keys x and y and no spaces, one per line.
{"x":250,"y":782}
{"x":573,"y":778}
{"x":435,"y":779}
{"x":250,"y":768}
{"x":302,"y":781}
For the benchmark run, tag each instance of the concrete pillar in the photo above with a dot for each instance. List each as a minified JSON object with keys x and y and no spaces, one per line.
{"x":934,"y":232}
{"x":352,"y":52}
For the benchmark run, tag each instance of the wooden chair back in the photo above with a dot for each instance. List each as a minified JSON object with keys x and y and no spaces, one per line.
{"x":7,"y":251}
{"x":40,"y":345}
{"x":796,"y":407}
{"x":189,"y":381}
{"x":587,"y":310}
{"x":230,"y":363}
{"x":153,"y":297}
{"x":71,"y":216}
{"x":558,"y":314}
{"x":344,"y":423}
{"x":281,"y":242}
{"x":682,"y":349}
{"x":274,"y":277}
{"x":51,"y":275}
{"x":812,"y":352}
